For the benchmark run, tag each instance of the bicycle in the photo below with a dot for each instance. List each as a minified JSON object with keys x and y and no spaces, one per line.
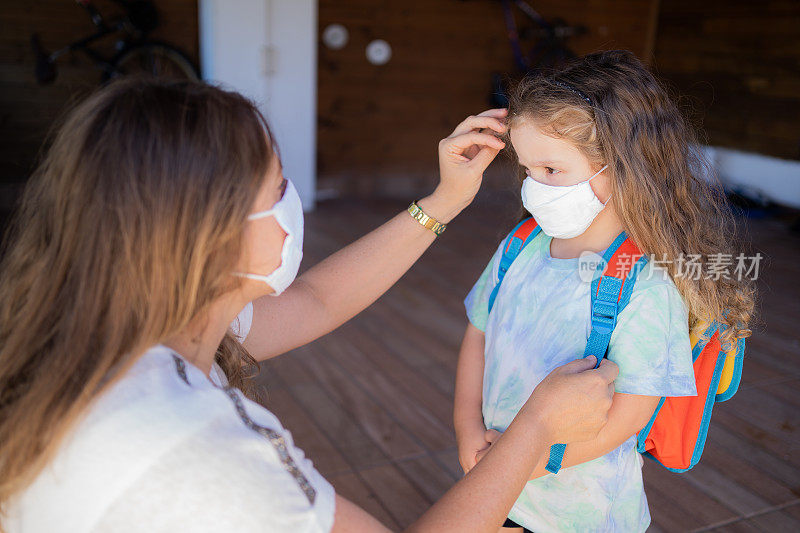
{"x":549,"y":51}
{"x":135,"y":52}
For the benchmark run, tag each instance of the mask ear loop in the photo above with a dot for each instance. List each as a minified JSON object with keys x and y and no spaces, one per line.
{"x":271,"y":211}
{"x":593,"y":177}
{"x":596,"y":174}
{"x":262,"y":214}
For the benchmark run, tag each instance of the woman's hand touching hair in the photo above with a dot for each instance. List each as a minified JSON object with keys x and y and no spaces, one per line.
{"x":463,"y":157}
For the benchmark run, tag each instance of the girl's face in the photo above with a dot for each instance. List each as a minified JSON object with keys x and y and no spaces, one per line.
{"x":263,"y":237}
{"x":554,"y":161}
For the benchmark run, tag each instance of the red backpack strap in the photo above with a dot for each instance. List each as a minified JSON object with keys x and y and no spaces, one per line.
{"x":520,"y":236}
{"x":523,"y":230}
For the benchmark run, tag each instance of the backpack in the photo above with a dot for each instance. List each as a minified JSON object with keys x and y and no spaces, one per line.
{"x":676,"y":434}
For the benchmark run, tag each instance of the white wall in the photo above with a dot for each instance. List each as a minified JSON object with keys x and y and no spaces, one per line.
{"x":267,"y":50}
{"x":758,"y":175}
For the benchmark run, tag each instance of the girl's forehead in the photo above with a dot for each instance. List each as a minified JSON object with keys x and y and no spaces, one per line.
{"x":533,"y":146}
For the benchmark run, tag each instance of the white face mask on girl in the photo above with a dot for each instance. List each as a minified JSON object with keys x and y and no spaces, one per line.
{"x":562,"y":212}
{"x":288,"y":212}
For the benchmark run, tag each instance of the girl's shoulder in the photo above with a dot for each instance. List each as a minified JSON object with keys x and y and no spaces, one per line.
{"x":652,"y":280}
{"x":533,"y":250}
{"x":650,"y":342}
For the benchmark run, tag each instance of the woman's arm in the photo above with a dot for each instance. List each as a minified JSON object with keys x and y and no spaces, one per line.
{"x":629,"y":413}
{"x":335,"y":290}
{"x":569,"y":405}
{"x":467,"y":412}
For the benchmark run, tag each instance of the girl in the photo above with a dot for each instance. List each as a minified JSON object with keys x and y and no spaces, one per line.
{"x":604,"y":150}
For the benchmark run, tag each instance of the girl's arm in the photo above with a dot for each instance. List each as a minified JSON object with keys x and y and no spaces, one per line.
{"x":467,"y":413}
{"x":338,"y":288}
{"x":629,"y":413}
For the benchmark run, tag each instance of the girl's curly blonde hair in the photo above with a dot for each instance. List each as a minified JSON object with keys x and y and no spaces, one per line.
{"x":612,"y":108}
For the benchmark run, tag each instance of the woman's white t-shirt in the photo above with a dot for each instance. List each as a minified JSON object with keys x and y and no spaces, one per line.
{"x":165,"y":449}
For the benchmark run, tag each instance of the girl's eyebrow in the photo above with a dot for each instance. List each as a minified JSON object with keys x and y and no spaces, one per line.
{"x":541,"y":163}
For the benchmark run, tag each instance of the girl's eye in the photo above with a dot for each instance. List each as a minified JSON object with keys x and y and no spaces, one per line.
{"x":548,"y":170}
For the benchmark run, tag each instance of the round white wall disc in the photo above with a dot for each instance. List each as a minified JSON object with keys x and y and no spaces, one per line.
{"x":335,"y":36}
{"x":379,"y":52}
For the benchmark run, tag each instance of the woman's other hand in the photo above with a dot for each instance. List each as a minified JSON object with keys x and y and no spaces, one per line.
{"x":572,"y":402}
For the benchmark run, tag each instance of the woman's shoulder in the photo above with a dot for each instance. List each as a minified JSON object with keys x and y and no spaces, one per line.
{"x":164,"y":424}
{"x":159,"y":398}
{"x":220,"y":481}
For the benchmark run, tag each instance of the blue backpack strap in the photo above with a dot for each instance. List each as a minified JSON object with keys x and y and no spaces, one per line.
{"x":610,"y":293}
{"x":520,"y":236}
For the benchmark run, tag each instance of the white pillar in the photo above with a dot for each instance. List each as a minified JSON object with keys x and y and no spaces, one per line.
{"x":267,"y":50}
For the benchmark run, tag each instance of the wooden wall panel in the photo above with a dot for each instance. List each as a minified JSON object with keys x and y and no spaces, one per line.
{"x":738,"y":61}
{"x":27,"y":109}
{"x":379,"y":125}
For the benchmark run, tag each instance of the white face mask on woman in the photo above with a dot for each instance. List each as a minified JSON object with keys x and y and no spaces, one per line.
{"x":288,"y":212}
{"x":562,"y":212}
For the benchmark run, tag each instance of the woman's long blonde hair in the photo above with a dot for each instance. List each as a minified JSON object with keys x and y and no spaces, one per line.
{"x":129,"y":228}
{"x":661,"y":184}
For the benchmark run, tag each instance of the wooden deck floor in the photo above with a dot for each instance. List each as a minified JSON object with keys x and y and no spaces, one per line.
{"x":371,"y":403}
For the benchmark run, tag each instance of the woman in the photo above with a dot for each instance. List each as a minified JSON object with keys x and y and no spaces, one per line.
{"x":159,"y":212}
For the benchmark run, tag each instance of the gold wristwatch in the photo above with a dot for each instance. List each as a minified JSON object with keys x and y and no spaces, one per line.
{"x":429,"y":222}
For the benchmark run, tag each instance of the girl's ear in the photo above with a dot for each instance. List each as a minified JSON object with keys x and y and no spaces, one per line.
{"x":601,"y":185}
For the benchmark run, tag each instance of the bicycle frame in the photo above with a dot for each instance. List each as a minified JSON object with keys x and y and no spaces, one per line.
{"x":83,"y":44}
{"x":551,"y":37}
{"x":132,"y":28}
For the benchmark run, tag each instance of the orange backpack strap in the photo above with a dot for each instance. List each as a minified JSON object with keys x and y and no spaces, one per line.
{"x":610,"y":293}
{"x":520,"y":236}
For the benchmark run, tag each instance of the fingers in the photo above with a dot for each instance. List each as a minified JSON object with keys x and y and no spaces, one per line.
{"x":491,"y":435}
{"x":608,"y":370}
{"x":483,"y":158}
{"x":480,"y":455}
{"x":580,"y":365}
{"x":461,"y":142}
{"x":499,"y":112}
{"x":468,"y":462}
{"x":480,"y":122}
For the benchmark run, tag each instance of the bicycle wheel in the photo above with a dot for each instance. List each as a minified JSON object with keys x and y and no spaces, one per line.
{"x":155,"y":59}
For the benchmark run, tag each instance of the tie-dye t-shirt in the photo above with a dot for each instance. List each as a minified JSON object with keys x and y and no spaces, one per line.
{"x":541,"y":320}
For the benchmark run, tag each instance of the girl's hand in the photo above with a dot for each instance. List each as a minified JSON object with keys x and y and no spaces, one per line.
{"x":470,"y":442}
{"x":463,"y":157}
{"x":490,"y":437}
